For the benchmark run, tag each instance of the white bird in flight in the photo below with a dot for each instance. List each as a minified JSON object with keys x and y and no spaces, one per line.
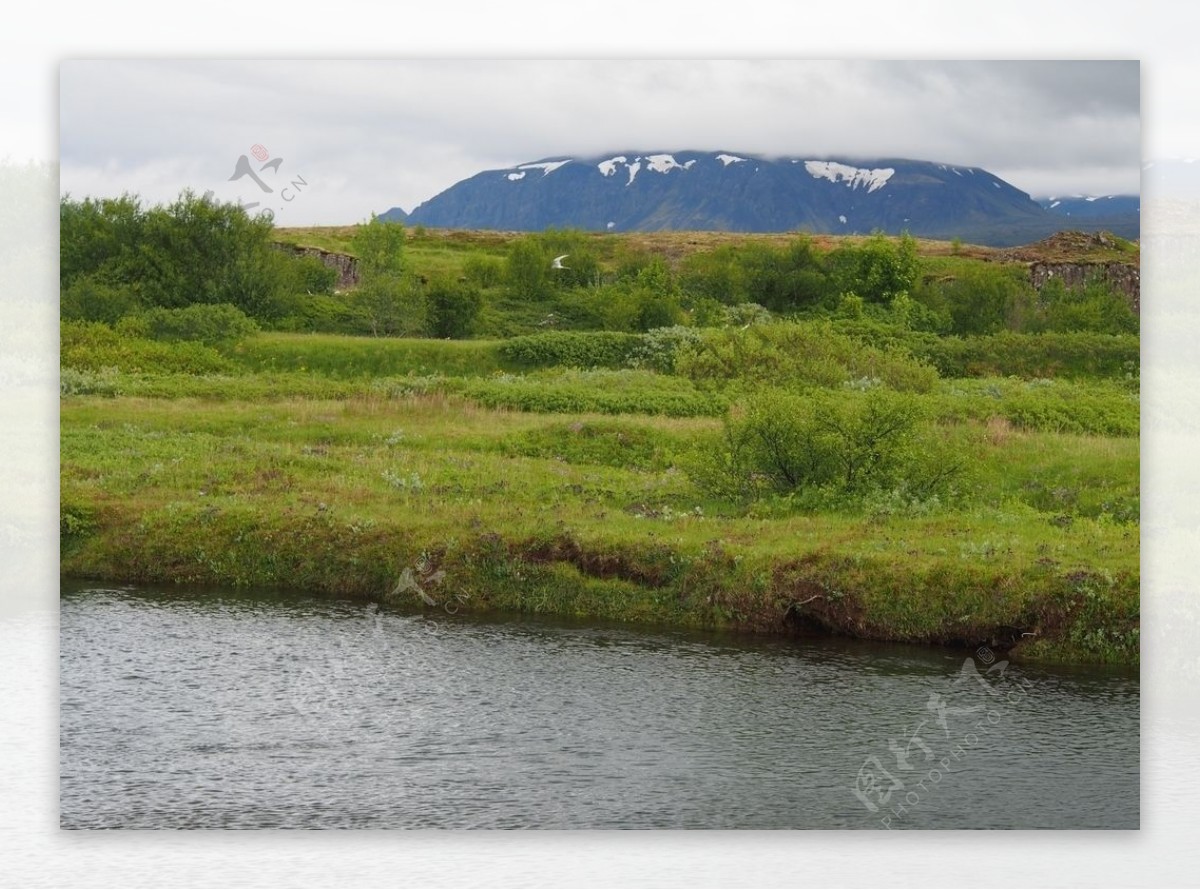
{"x":557,"y":264}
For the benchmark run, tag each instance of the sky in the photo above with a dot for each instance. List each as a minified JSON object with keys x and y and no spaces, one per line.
{"x":353,"y":138}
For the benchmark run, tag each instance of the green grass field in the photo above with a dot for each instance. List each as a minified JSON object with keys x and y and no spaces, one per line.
{"x":886,"y":439}
{"x":325,"y":465}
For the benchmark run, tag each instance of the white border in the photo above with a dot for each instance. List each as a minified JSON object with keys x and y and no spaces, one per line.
{"x":34,"y":852}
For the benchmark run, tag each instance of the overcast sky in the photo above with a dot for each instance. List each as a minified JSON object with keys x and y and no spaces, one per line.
{"x":367,"y":136}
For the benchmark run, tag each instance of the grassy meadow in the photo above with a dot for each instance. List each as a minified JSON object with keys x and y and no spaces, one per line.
{"x":834,"y":470}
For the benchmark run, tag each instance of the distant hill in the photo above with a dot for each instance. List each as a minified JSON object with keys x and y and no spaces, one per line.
{"x":1119,"y":214}
{"x":723,"y":191}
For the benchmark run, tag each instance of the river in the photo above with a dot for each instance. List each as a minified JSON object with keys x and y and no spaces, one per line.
{"x":222,"y":709}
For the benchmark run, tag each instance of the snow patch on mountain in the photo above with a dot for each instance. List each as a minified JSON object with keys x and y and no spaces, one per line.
{"x":633,"y":170}
{"x":609,"y":167}
{"x":852,"y":176}
{"x":729,"y":159}
{"x":513,"y":177}
{"x":547,"y":167}
{"x":663,"y":163}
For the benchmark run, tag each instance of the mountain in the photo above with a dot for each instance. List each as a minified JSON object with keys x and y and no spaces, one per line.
{"x":1093,"y":206}
{"x":723,"y":191}
{"x":395,"y":214}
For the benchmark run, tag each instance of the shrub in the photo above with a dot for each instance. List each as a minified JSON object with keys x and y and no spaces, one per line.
{"x":798,"y":354}
{"x":485,"y":271}
{"x":453,"y":308}
{"x":1075,"y":354}
{"x":577,"y":349}
{"x":878,"y":270}
{"x":116,"y":255}
{"x":1093,"y":307}
{"x":658,"y":349}
{"x":88,"y":298}
{"x":821,"y":445}
{"x":527,"y":271}
{"x":1068,"y":354}
{"x":86,"y":382}
{"x":220,"y":324}
{"x":1062,"y":406}
{"x":984,"y":299}
{"x":572,"y":391}
{"x":92,"y":346}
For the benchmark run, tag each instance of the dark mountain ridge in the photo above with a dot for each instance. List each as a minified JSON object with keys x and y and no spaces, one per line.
{"x":725,"y":191}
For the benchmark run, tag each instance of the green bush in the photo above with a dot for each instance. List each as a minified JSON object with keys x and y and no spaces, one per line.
{"x":658,"y":348}
{"x":485,"y":271}
{"x":89,"y":298}
{"x":453,"y":308}
{"x":321,"y":313}
{"x":1073,"y":354}
{"x":574,"y":349}
{"x":88,"y":382}
{"x":91,"y":346}
{"x":1097,"y":408}
{"x":797,"y":354}
{"x":1093,"y":307}
{"x":984,"y":298}
{"x":822,"y":446}
{"x":214,"y":325}
{"x":1068,"y":354}
{"x":573,"y":391}
{"x":527,"y":271}
{"x":878,"y":270}
{"x":348,"y":358}
{"x":116,"y":255}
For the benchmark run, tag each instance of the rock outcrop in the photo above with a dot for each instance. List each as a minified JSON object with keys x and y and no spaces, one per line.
{"x":1121,"y":277}
{"x":345,"y":265}
{"x":1081,"y":258}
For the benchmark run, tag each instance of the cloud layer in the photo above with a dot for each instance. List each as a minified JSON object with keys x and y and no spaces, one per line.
{"x":366,"y":136}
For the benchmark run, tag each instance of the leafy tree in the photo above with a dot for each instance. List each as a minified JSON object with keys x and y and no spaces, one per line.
{"x":453,"y":307}
{"x":379,"y":246}
{"x":714,"y":275}
{"x":90,"y":298}
{"x":527,"y":272}
{"x":985,"y":299}
{"x":117,"y":257}
{"x":485,"y":271}
{"x":580,"y":268}
{"x":390,"y":301}
{"x":877,"y":270}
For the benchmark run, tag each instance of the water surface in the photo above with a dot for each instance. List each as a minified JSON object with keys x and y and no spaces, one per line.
{"x":210,"y":709}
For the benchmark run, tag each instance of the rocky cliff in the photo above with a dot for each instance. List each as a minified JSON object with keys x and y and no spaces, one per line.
{"x":345,"y":265}
{"x":1121,"y":277}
